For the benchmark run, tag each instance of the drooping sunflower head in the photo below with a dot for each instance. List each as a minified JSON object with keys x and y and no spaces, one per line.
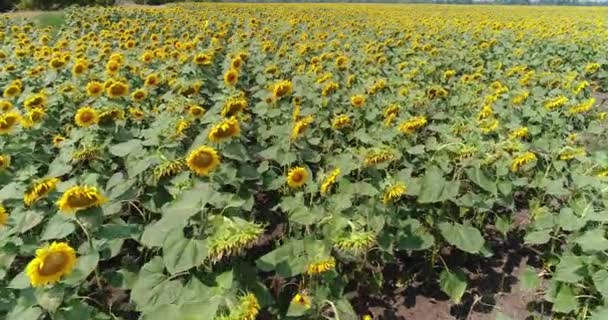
{"x":329,"y":181}
{"x":9,"y":121}
{"x":152,"y":80}
{"x":522,"y":160}
{"x":12,"y":91}
{"x":39,"y":190}
{"x":357,"y":100}
{"x":412,"y":124}
{"x":394,"y":192}
{"x":168,"y":169}
{"x":35,"y":101}
{"x":203,"y":160}
{"x":51,"y":263}
{"x":225,"y":130}
{"x":86,"y":116}
{"x":297,"y":177}
{"x":94,"y":88}
{"x":231,"y":77}
{"x":36,"y":115}
{"x":282,"y":89}
{"x":203,"y":59}
{"x":79,"y":198}
{"x":378,"y":156}
{"x":137,"y":114}
{"x":302,"y":299}
{"x":111,"y":115}
{"x":355,"y":242}
{"x":320,"y":266}
{"x":233,"y":238}
{"x":300,"y":127}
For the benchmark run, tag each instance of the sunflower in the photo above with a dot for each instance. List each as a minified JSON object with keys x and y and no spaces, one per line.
{"x":282,"y":89}
{"x":519,"y":133}
{"x":203,"y":160}
{"x":86,"y":116}
{"x":57,"y":63}
{"x":321,"y":266}
{"x":51,"y":263}
{"x":522,"y":160}
{"x":8,"y":121}
{"x":375,"y":157}
{"x":196,"y":111}
{"x":136,"y":114}
{"x":11,"y":91}
{"x":412,"y":124}
{"x":117,"y":89}
{"x":300,"y":127}
{"x":5,"y":161}
{"x":112,"y":67}
{"x":203,"y":59}
{"x":394,"y":192}
{"x":39,"y":190}
{"x":340,"y":121}
{"x":5,"y":105}
{"x":110,"y":116}
{"x":233,"y":106}
{"x":168,"y":169}
{"x":79,"y":68}
{"x":330,"y":181}
{"x":236,"y":63}
{"x":302,"y":299}
{"x":225,"y":130}
{"x":231,"y":77}
{"x":356,"y":242}
{"x":57,"y":140}
{"x":79,"y":198}
{"x":139,"y":95}
{"x":357,"y":100}
{"x":297,"y":177}
{"x":36,"y":101}
{"x":3,"y":216}
{"x":36,"y":115}
{"x":152,"y":80}
{"x":94,"y":88}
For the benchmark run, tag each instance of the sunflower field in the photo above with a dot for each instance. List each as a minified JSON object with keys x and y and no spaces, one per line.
{"x":292,"y":161}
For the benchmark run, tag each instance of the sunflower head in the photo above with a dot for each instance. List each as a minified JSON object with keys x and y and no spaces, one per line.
{"x":79,"y":198}
{"x":168,"y":169}
{"x":117,"y":89}
{"x":320,"y":266}
{"x":152,"y":80}
{"x":302,"y":299}
{"x":196,"y":111}
{"x":231,"y":77}
{"x":39,"y":190}
{"x":297,"y":177}
{"x":136,"y":114}
{"x":139,"y":95}
{"x":86,"y":116}
{"x":394,"y":192}
{"x":94,"y":88}
{"x":8,"y":121}
{"x":225,"y":130}
{"x":282,"y":89}
{"x":57,"y":140}
{"x":5,"y":105}
{"x":357,"y":100}
{"x":233,"y":106}
{"x":51,"y":263}
{"x":203,"y":160}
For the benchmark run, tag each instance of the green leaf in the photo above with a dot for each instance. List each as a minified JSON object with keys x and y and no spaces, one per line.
{"x":126,"y":148}
{"x":476,"y":175}
{"x":27,"y":220}
{"x":153,"y":288}
{"x":180,"y":253}
{"x":20,"y":281}
{"x":502,"y":316}
{"x":31,"y":313}
{"x":345,"y":310}
{"x":84,"y":266}
{"x":593,"y":240}
{"x":538,"y":237}
{"x":75,"y":310}
{"x":57,"y":228}
{"x":529,"y":278}
{"x":569,"y":221}
{"x":12,"y":190}
{"x":503,"y":224}
{"x":225,"y":279}
{"x":435,"y":188}
{"x":600,"y":280}
{"x":600,"y":313}
{"x":49,"y":299}
{"x":412,"y":236}
{"x":453,"y":283}
{"x":565,"y":301}
{"x":201,"y":310}
{"x":465,"y":237}
{"x":569,"y":269}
